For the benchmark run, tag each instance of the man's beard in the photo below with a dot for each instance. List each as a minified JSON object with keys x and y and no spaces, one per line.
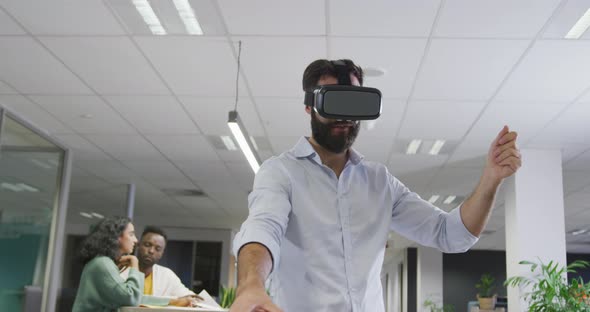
{"x":322,"y":134}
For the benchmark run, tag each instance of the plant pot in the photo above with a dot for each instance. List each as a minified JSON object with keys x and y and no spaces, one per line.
{"x":487,"y":303}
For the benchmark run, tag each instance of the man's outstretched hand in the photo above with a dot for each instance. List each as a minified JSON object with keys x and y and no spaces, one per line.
{"x":503,"y":156}
{"x":253,"y":300}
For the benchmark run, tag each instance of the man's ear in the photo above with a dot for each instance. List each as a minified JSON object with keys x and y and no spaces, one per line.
{"x":308,"y":109}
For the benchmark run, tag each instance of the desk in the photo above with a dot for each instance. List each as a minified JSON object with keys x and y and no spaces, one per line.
{"x":164,"y":309}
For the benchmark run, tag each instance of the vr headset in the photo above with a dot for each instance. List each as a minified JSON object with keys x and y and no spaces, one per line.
{"x":344,"y":101}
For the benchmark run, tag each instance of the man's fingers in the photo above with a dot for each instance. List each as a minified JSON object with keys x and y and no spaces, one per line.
{"x":500,"y":135}
{"x":507,"y":153}
{"x":507,"y":137}
{"x":513,"y":162}
{"x":501,"y":148}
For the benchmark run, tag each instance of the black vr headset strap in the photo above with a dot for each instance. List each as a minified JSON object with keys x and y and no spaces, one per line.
{"x":343,"y":73}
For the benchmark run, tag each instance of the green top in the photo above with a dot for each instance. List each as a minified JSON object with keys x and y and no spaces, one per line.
{"x":102,"y":289}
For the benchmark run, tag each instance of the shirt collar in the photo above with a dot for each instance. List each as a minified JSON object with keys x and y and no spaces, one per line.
{"x":303,"y":149}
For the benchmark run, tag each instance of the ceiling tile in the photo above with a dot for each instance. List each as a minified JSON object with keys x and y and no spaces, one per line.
{"x":245,"y":18}
{"x":81,"y":148}
{"x":126,"y":147}
{"x":64,"y":17}
{"x":572,"y":126}
{"x":284,"y":116}
{"x":398,"y":58}
{"x":33,"y":113}
{"x":154,"y":114}
{"x":438,"y":119}
{"x":211,"y":114}
{"x":382,"y":18}
{"x":374,"y":148}
{"x":184,"y":147}
{"x":154,"y":169}
{"x":193,"y":65}
{"x":498,"y":114}
{"x":210,"y":175}
{"x":456,"y":181}
{"x":497,"y":19}
{"x":278,"y":72}
{"x":281,"y":144}
{"x":553,"y":70}
{"x":8,"y":26}
{"x":30,"y":69}
{"x":389,"y":121}
{"x":466,"y":69}
{"x":109,"y":170}
{"x":469,"y":155}
{"x":5,"y":89}
{"x":85,"y":114}
{"x":117,"y":58}
{"x":402,"y":165}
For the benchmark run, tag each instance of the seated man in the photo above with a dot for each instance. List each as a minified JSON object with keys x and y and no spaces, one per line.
{"x":159,"y":280}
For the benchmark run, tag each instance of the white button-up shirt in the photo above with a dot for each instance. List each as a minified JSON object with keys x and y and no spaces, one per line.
{"x":327,"y":235}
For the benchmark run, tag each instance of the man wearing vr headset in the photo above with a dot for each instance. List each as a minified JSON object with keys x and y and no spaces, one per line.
{"x":320,"y":214}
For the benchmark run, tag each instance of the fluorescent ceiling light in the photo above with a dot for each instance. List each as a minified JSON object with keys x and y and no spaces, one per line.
{"x":580,"y":27}
{"x":254,"y":143}
{"x":578,"y":232}
{"x":187,"y":15}
{"x":10,"y":186}
{"x":86,"y":215}
{"x":413,"y":147}
{"x":229,"y":143}
{"x":450,"y":199}
{"x":27,"y":187}
{"x":149,"y":17}
{"x":98,"y":215}
{"x":40,"y":164}
{"x":240,"y":134}
{"x":435,"y":149}
{"x":433,"y":199}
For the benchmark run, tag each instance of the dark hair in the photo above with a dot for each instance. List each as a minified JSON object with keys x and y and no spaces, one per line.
{"x":155,"y":230}
{"x":103,"y":239}
{"x":319,"y":68}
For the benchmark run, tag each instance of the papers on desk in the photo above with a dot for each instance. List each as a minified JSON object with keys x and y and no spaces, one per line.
{"x":208,"y":304}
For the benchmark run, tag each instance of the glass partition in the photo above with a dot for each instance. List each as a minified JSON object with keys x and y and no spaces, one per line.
{"x":32,"y":171}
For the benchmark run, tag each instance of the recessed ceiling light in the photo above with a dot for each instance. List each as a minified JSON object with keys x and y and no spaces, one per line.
{"x":433,"y":198}
{"x":449,"y":199}
{"x":373,"y":72}
{"x":580,"y":231}
{"x":228,"y":142}
{"x":41,"y":164}
{"x":579,"y":27}
{"x":10,"y":186}
{"x":187,"y":15}
{"x":98,"y":215}
{"x":149,"y":17}
{"x":413,"y":147}
{"x":86,"y":215}
{"x":435,"y":149}
{"x":27,"y":187}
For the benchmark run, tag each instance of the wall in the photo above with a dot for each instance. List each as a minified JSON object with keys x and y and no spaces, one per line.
{"x":429,"y":276}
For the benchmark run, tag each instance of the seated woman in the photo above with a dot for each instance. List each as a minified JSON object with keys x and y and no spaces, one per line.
{"x":107,"y":248}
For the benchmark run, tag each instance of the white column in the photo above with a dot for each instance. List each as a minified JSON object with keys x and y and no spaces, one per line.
{"x":429,"y":277}
{"x":535,"y":224}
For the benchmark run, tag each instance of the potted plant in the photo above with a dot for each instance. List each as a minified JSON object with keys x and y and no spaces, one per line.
{"x":227,"y":296}
{"x":485,"y":292}
{"x":550,"y":290}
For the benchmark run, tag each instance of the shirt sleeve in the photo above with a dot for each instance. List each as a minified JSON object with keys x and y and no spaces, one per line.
{"x":419,"y":220}
{"x":269,"y":204}
{"x":178,"y":289}
{"x":114,"y":289}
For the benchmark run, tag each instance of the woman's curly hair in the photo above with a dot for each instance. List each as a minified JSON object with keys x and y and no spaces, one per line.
{"x":103,"y":239}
